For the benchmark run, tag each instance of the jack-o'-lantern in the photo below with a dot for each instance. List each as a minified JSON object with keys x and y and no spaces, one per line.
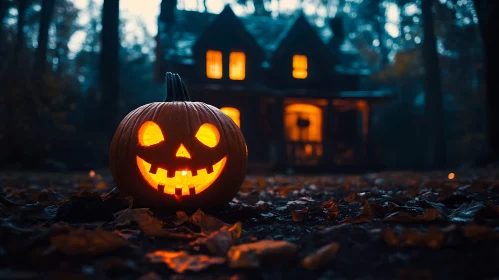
{"x":178,"y":153}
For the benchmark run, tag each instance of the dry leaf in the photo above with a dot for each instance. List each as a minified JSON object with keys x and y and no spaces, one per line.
{"x":207,"y":223}
{"x":330,"y":208}
{"x":144,"y":217}
{"x":466,"y":212}
{"x":183,"y":261}
{"x":253,"y":254}
{"x":404,"y":217}
{"x":299,"y":215}
{"x":219,"y":242}
{"x":433,"y":238}
{"x":365,"y":216}
{"x":180,"y":218}
{"x":85,"y":242}
{"x":150,"y":276}
{"x":321,"y":256}
{"x":352,"y":197}
{"x":476,"y":232}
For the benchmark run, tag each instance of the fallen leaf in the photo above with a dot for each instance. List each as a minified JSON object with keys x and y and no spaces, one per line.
{"x":365,"y":216}
{"x":299,"y":215}
{"x":150,"y":276}
{"x":390,"y":237}
{"x":321,"y":256}
{"x":207,"y":223}
{"x":404,"y":217}
{"x":253,"y":254}
{"x":183,"y":261}
{"x":466,"y":212}
{"x":490,"y":211}
{"x":87,"y":242}
{"x":150,"y":225}
{"x":434,"y":238}
{"x":180,"y":218}
{"x":476,"y":232}
{"x":330,"y":208}
{"x":219,"y":242}
{"x":352,"y":197}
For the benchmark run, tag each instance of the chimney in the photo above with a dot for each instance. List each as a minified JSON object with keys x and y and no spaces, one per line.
{"x":336,"y":25}
{"x":167,"y":11}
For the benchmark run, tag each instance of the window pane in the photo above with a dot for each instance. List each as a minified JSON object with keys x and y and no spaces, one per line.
{"x":237,"y":66}
{"x":214,"y":64}
{"x":300,"y":66}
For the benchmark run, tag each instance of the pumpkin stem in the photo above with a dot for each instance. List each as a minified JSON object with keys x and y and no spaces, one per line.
{"x":175,"y":88}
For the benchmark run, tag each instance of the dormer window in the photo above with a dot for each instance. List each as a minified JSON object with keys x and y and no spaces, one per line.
{"x":214,"y":64}
{"x":237,"y":66}
{"x":300,"y":66}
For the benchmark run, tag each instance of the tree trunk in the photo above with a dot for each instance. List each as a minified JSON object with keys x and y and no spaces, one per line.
{"x":109,"y":68}
{"x":43,"y":33}
{"x":487,"y":11}
{"x":434,"y":111}
{"x":3,"y":9}
{"x":165,"y":21}
{"x":379,"y":27}
{"x":21,"y":16}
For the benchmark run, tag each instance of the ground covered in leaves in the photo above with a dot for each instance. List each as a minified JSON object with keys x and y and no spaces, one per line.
{"x":386,"y":225}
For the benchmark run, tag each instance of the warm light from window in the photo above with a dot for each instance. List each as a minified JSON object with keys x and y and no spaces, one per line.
{"x":214,"y":64}
{"x":233,"y":113}
{"x":303,"y":123}
{"x":237,"y":66}
{"x":300,"y":66}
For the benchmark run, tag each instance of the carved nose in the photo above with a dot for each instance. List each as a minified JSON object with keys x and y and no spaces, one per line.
{"x":182,"y":152}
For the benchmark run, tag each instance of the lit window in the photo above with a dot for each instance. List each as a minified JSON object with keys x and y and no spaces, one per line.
{"x":300,"y":66}
{"x":237,"y":66}
{"x":233,"y":113}
{"x":214,"y":64}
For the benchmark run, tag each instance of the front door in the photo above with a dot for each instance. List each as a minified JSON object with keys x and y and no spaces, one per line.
{"x":303,"y":123}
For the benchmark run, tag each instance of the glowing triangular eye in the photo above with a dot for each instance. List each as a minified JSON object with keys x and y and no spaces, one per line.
{"x":208,"y":135}
{"x":150,"y":134}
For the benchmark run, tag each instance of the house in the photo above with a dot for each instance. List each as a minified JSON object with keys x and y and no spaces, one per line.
{"x":288,"y":84}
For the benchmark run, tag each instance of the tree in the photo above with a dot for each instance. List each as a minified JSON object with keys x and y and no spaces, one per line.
{"x":3,"y":9}
{"x":434,"y":112}
{"x":109,"y":67}
{"x":22,"y":5}
{"x":43,"y":32}
{"x":488,"y":19}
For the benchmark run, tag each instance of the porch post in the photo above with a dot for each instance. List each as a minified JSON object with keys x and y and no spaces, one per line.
{"x":328,"y":135}
{"x":280,"y":133}
{"x":368,"y":141}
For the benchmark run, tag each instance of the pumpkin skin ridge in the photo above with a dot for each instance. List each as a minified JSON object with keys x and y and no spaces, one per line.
{"x":117,"y":139}
{"x":243,"y":160}
{"x":151,"y":110}
{"x":196,"y":113}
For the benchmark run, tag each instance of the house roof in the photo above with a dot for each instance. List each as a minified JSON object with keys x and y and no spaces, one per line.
{"x":177,"y":40}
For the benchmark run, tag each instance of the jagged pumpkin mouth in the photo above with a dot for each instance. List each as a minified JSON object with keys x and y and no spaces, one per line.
{"x":184,"y":182}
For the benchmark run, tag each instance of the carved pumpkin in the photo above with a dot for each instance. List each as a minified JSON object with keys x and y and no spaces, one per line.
{"x":178,"y":153}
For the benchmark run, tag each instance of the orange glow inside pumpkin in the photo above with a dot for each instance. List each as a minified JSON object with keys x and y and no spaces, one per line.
{"x":150,"y":134}
{"x":182,"y":152}
{"x":184,"y":182}
{"x":208,"y":135}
